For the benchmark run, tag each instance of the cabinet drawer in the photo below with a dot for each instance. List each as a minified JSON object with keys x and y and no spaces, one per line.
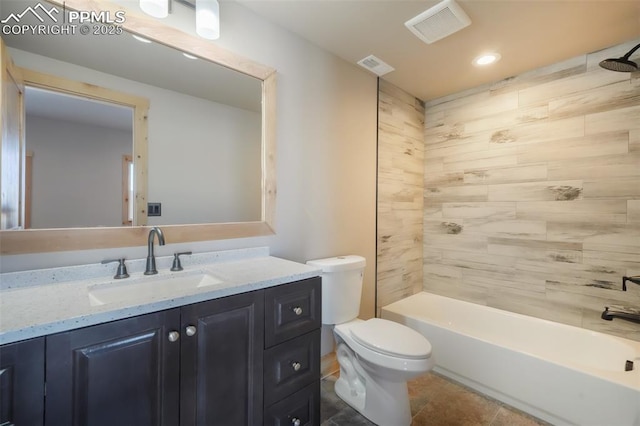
{"x":291,"y":366}
{"x":292,"y":310}
{"x":302,"y":408}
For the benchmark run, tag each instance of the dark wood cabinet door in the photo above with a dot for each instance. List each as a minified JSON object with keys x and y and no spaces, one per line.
{"x":22,"y":383}
{"x":221,"y":364}
{"x":119,"y":373}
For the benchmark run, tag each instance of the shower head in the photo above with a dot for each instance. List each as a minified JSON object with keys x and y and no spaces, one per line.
{"x":622,"y":64}
{"x":619,"y":64}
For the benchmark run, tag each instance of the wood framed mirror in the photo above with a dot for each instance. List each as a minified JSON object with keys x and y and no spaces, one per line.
{"x":19,"y":241}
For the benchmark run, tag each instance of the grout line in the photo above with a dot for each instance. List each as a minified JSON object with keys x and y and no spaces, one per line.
{"x":495,"y":416}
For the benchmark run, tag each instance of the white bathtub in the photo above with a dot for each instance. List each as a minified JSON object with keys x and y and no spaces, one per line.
{"x":562,"y":374}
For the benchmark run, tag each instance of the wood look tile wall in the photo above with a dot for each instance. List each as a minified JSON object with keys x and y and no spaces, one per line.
{"x":532,"y":194}
{"x":400,"y":190}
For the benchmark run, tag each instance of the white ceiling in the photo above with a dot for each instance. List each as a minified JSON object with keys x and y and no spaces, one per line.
{"x":527,"y":33}
{"x":66,"y":108}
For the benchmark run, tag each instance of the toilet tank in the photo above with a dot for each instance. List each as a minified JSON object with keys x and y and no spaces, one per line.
{"x":341,"y":287}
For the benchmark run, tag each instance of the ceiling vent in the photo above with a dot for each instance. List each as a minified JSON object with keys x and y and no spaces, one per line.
{"x":375,"y":65}
{"x":438,"y":22}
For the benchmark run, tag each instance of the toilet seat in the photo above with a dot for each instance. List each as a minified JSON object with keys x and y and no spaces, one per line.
{"x":390,"y":338}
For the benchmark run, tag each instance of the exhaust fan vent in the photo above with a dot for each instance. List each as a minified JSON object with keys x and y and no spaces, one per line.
{"x":438,"y":22}
{"x":375,"y":65}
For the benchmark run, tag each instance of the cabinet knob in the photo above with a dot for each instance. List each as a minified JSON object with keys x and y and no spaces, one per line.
{"x":296,"y":365}
{"x":190,"y":330}
{"x":295,"y":421}
{"x":297,"y":310}
{"x":174,"y":336}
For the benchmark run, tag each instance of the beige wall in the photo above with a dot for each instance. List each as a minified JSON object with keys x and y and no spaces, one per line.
{"x":532,"y":193}
{"x":326,"y":152}
{"x":400,"y":187}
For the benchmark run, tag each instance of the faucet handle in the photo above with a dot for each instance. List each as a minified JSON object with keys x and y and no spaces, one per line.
{"x":177,"y":266}
{"x":122,"y":268}
{"x":634,"y":279}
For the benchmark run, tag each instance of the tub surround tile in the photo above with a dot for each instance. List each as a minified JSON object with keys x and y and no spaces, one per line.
{"x":55,"y":300}
{"x":610,"y":166}
{"x":400,"y":194}
{"x":550,"y":166}
{"x":597,"y":145}
{"x":568,"y":85}
{"x":552,"y":73}
{"x":596,"y":99}
{"x":585,"y":210}
{"x":634,"y":140}
{"x":612,"y":120}
{"x":633,"y":209}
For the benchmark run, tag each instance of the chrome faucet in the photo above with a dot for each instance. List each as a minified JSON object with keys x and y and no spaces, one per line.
{"x":151,"y":259}
{"x":629,"y":314}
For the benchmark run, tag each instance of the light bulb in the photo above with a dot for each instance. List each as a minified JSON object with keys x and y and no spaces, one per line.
{"x":486,"y":59}
{"x":155,"y":8}
{"x":208,"y":19}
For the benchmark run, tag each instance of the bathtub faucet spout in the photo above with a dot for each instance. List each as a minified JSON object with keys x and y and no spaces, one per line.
{"x":629,"y":314}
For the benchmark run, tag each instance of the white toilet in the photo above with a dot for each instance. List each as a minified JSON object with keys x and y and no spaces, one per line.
{"x":376,"y":356}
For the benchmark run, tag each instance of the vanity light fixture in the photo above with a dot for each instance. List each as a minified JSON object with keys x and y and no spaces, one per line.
{"x":155,"y":8}
{"x":207,"y":14}
{"x":208,"y":19}
{"x":486,"y":59}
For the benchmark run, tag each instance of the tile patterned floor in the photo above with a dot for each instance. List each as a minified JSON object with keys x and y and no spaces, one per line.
{"x":435,"y":401}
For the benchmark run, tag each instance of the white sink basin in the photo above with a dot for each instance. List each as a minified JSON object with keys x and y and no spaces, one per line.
{"x":149,"y":287}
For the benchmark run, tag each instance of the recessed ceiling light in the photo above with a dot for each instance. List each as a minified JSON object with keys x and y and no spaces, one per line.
{"x":486,"y":59}
{"x":186,"y":55}
{"x":142,"y":39}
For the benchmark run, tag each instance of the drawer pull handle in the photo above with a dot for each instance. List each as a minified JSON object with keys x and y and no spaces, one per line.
{"x":191,"y":330}
{"x":295,"y":421}
{"x":296,"y":365}
{"x":174,"y":336}
{"x":297,"y":310}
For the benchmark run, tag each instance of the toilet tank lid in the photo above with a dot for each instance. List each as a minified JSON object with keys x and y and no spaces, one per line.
{"x":339,"y":263}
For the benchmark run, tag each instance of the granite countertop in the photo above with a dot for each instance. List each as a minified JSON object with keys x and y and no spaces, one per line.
{"x":38,"y":303}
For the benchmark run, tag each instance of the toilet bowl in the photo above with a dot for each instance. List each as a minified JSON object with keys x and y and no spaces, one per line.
{"x":376,"y":356}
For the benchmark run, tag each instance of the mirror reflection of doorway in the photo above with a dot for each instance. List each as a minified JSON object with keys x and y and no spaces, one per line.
{"x":77,"y":170}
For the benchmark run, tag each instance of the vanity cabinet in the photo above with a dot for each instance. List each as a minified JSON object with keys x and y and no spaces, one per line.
{"x":247,"y":359}
{"x":22,"y":383}
{"x":196,"y":365}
